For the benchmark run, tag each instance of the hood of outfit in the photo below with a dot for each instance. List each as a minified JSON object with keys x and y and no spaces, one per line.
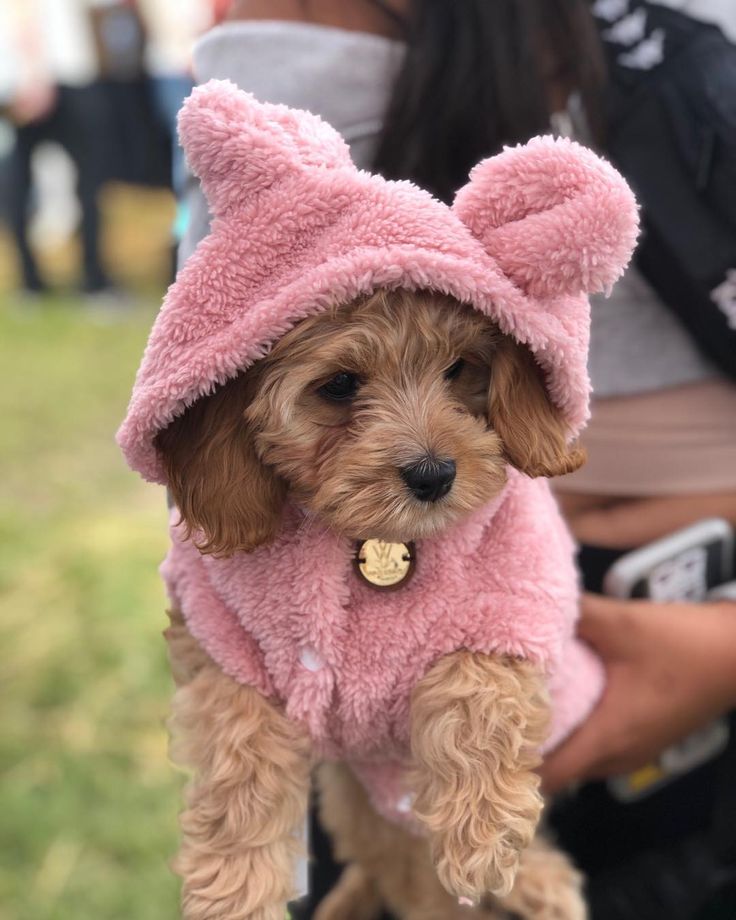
{"x":297,"y":230}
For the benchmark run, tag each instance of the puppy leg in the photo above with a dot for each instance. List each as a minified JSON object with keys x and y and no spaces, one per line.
{"x":354,"y":897}
{"x":547,"y":886}
{"x":186,"y":655}
{"x":477,"y":724}
{"x":245,"y":804}
{"x":388,"y":866}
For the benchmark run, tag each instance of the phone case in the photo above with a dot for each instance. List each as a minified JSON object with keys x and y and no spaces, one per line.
{"x":681,"y":567}
{"x":685,"y":566}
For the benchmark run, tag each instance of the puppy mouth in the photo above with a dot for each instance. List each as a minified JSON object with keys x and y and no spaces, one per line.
{"x":408,"y":520}
{"x":408,"y":501}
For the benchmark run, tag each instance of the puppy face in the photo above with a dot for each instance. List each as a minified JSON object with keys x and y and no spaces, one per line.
{"x":391,"y":417}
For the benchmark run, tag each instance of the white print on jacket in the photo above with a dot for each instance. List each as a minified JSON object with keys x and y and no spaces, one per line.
{"x":724,"y":297}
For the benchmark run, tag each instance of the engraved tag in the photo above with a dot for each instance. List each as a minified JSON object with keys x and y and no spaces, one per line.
{"x":385,"y":565}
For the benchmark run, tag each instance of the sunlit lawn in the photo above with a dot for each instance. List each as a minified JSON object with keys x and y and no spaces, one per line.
{"x":88,"y":801}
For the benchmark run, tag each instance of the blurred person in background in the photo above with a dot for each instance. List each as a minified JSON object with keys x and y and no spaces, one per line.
{"x":422,"y":90}
{"x":661,"y":445}
{"x":103,"y":79}
{"x":171,"y":29}
{"x":49,"y":92}
{"x":720,"y":12}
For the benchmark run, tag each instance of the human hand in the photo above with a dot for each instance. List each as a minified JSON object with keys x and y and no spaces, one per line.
{"x":32,"y":102}
{"x":670,"y":669}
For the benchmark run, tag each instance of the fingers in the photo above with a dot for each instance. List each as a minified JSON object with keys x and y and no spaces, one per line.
{"x":595,"y":614}
{"x":573,"y":761}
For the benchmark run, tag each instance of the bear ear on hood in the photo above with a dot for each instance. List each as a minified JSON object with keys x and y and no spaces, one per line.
{"x":237,"y":146}
{"x":556,"y":218}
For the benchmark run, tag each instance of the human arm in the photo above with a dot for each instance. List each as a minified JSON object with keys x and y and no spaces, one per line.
{"x":670,"y":669}
{"x":27,"y":91}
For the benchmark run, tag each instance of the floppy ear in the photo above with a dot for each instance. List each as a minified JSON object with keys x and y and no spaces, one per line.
{"x":238,"y":146}
{"x":555,"y":217}
{"x":216,"y":479}
{"x":532,"y":429}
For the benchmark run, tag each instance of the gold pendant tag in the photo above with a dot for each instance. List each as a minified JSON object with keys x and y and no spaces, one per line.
{"x":385,"y":565}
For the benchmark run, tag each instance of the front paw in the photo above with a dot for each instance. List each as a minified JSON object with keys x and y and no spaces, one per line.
{"x":229,"y":908}
{"x":477,"y":724}
{"x":480,"y":851}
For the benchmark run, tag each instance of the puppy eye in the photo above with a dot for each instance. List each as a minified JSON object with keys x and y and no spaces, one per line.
{"x":454,"y":371}
{"x":341,"y":387}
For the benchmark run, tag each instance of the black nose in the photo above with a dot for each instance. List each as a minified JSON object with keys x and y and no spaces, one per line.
{"x":429,"y":479}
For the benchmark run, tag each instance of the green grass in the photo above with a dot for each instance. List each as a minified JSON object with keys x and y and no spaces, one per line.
{"x":88,"y":801}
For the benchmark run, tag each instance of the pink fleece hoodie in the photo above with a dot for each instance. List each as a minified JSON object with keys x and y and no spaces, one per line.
{"x":296,"y":230}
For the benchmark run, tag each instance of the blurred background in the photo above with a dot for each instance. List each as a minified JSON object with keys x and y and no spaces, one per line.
{"x":94,"y":200}
{"x":88,"y":94}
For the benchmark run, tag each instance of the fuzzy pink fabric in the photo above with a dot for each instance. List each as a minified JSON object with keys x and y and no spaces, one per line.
{"x":294,"y":620}
{"x":296,"y":230}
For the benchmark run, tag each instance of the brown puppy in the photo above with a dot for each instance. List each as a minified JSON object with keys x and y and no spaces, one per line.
{"x":329,"y":418}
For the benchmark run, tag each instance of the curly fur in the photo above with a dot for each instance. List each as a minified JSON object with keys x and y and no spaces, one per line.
{"x":299,"y":230}
{"x":186,"y":655}
{"x":389,"y":868}
{"x":307,"y":273}
{"x":247,"y":799}
{"x":234,"y":456}
{"x":547,"y":886}
{"x":477,"y":723}
{"x":389,"y":861}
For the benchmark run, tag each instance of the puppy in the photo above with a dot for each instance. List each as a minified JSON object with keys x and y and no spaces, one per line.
{"x":393,"y":417}
{"x":354,"y":394}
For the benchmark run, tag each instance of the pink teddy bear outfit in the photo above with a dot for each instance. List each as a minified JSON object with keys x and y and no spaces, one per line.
{"x":296,"y":230}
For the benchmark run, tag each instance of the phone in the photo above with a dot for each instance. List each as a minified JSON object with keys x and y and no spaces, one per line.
{"x":685,"y":566}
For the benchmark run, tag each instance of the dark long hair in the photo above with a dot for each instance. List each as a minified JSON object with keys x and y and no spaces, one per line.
{"x":476,"y":76}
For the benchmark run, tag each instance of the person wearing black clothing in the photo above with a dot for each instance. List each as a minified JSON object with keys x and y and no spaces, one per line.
{"x":73,"y":121}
